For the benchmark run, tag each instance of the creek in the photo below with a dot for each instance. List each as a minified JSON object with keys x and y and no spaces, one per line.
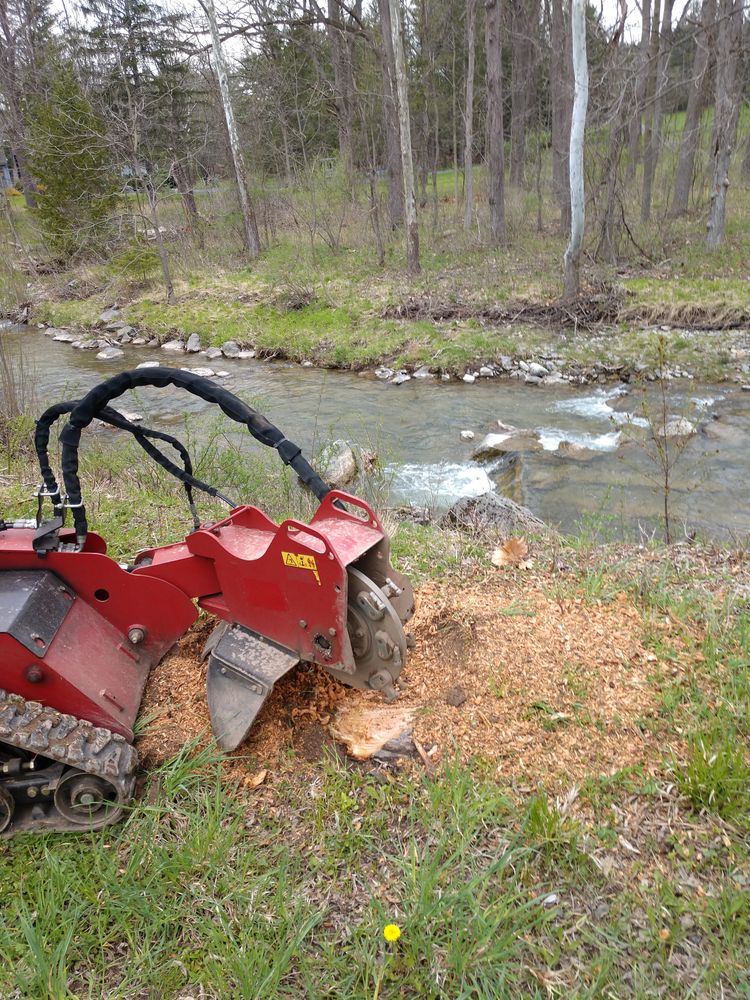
{"x":415,"y":430}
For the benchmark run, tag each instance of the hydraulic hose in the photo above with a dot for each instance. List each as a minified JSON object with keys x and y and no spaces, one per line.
{"x":141,"y":435}
{"x":97,"y":399}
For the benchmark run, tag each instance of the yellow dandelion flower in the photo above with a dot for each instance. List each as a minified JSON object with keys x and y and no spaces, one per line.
{"x":391,"y":932}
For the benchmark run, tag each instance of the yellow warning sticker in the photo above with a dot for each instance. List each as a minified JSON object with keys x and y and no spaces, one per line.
{"x":301,"y":560}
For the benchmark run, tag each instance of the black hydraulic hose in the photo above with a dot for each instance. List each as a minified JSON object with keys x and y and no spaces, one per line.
{"x":98,"y":398}
{"x":141,"y":434}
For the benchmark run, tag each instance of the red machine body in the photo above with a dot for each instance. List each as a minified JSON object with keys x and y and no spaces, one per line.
{"x":79,"y":632}
{"x":286,"y":582}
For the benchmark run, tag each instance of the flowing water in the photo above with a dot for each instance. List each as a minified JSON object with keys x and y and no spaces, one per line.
{"x":415,"y":428}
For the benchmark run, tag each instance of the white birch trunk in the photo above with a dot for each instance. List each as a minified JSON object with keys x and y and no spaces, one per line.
{"x":577,"y":131}
{"x":249,"y":223}
{"x":407,"y":164}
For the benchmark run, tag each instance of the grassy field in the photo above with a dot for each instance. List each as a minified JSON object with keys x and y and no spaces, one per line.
{"x":629,"y":883}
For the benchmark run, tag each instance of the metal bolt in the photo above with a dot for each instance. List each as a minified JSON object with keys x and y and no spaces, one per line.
{"x":34,"y":674}
{"x":332,"y":632}
{"x":302,"y":623}
{"x":31,"y":792}
{"x":136,"y":634}
{"x":87,"y":799}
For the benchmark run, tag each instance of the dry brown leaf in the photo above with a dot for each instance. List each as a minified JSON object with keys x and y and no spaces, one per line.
{"x":512,"y":553}
{"x":254,"y":780}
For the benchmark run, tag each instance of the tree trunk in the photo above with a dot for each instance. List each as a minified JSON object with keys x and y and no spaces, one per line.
{"x":640,"y":91}
{"x":495,"y":154}
{"x":697,"y":95}
{"x":726,"y":113}
{"x":407,"y":163}
{"x":161,"y":246}
{"x":188,"y":200}
{"x":343,"y":85}
{"x":746,"y":161}
{"x":249,"y":222}
{"x":664,"y":44}
{"x":390,"y":116}
{"x":469,"y":113}
{"x":577,"y":133}
{"x":561,"y":108}
{"x":521,"y":85}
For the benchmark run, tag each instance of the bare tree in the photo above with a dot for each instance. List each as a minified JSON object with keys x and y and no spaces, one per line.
{"x":391,"y":119}
{"x":726,"y":113}
{"x":577,"y":135}
{"x":343,"y":82}
{"x":640,"y":90}
{"x":407,"y":163}
{"x":249,"y":222}
{"x":560,"y":100}
{"x":523,"y":13}
{"x":471,"y":23}
{"x":662,"y":47}
{"x":697,"y":96}
{"x":495,"y":152}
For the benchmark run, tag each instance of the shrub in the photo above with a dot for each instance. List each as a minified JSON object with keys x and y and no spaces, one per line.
{"x":70,"y":160}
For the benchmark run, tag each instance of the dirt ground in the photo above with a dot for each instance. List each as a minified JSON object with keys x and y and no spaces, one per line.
{"x":543,"y":688}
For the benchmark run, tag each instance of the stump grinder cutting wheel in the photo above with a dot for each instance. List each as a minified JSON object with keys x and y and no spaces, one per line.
{"x":80,"y":632}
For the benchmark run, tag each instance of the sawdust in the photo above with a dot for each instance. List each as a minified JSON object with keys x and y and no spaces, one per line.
{"x":553,"y":687}
{"x":546,"y":688}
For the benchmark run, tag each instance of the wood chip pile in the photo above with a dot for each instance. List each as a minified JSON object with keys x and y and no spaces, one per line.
{"x":542,"y":687}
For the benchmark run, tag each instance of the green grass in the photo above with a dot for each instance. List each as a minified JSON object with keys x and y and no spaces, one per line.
{"x":206,"y":888}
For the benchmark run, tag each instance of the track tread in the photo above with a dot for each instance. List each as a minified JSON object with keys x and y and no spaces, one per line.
{"x":69,"y":740}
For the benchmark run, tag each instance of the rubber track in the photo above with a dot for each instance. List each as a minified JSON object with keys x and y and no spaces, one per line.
{"x":69,"y":740}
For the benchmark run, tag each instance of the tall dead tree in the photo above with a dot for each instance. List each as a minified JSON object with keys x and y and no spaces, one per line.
{"x":343,"y":83}
{"x":521,"y":83}
{"x":561,"y":103}
{"x":249,"y":222}
{"x":471,"y":24}
{"x":697,"y":98}
{"x":651,"y":153}
{"x":390,"y":117}
{"x":640,"y":90}
{"x":407,"y":162}
{"x":16,"y":33}
{"x":577,"y":135}
{"x":726,"y":113}
{"x":495,"y":152}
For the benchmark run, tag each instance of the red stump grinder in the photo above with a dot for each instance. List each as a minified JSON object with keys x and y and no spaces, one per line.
{"x":80,"y":632}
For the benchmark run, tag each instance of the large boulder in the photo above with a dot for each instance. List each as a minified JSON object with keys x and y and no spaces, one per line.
{"x":338,"y":465}
{"x":193,"y":344}
{"x":174,"y":346}
{"x":489,"y":510}
{"x":570,"y":449}
{"x":231,"y":349}
{"x":507,"y":439}
{"x":109,"y":315}
{"x":110,"y":354}
{"x":677,"y":428}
